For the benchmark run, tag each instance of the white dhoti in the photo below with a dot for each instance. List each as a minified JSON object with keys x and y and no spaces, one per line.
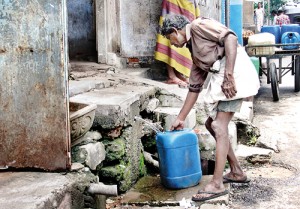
{"x":246,"y":81}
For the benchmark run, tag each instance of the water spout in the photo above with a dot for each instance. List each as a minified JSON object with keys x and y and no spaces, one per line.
{"x":150,"y":125}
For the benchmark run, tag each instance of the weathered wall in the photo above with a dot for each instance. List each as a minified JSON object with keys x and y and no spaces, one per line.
{"x":248,"y":10}
{"x":139,"y":27}
{"x":81,"y":29}
{"x":210,"y":8}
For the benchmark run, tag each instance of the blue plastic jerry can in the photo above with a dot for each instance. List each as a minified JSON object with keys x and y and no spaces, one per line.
{"x":290,"y":28}
{"x":179,"y":158}
{"x":274,"y":29}
{"x":290,"y":38}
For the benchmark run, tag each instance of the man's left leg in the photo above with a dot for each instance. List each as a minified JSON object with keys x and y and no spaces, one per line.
{"x":220,"y":128}
{"x":236,"y":173}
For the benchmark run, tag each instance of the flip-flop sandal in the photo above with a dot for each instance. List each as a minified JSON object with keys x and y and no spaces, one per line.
{"x":198,"y":198}
{"x":228,"y":180}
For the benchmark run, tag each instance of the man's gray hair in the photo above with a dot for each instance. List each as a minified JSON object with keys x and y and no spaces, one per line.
{"x":173,"y":21}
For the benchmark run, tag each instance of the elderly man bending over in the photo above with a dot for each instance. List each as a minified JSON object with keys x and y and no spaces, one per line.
{"x":214,"y":50}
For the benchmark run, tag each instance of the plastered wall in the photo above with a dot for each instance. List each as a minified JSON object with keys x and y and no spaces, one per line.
{"x":248,"y":10}
{"x":139,"y":21}
{"x":210,"y":8}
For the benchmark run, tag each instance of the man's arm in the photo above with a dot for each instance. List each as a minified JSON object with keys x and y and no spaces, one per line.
{"x":228,"y":86}
{"x":197,"y":79}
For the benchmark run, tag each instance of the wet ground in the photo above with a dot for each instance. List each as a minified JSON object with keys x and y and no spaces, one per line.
{"x":149,"y":192}
{"x":274,"y":185}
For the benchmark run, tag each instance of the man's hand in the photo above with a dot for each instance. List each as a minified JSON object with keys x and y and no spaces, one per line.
{"x":228,"y":86}
{"x":177,"y":125}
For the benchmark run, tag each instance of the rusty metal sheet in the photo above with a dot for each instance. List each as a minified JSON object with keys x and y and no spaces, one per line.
{"x":34,"y":124}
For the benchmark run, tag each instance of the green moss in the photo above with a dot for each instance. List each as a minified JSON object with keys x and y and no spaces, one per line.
{"x":142,"y":167}
{"x":115,"y":150}
{"x":127,"y":182}
{"x":113,"y":172}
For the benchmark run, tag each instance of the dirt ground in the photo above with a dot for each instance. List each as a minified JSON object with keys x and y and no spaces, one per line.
{"x":274,"y":185}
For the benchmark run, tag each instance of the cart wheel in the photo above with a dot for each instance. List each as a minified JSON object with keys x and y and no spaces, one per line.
{"x":274,"y":81}
{"x":297,"y":74}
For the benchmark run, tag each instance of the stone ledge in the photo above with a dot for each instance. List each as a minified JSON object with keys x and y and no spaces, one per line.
{"x":33,"y":190}
{"x":117,"y":106}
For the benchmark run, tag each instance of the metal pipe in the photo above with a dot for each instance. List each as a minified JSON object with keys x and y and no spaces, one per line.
{"x":227,"y":13}
{"x":102,"y":189}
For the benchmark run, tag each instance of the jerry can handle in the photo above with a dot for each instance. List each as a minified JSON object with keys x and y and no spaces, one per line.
{"x":175,"y":130}
{"x":184,"y":129}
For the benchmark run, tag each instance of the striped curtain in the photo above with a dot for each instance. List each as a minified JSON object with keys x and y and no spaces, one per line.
{"x":178,"y":58}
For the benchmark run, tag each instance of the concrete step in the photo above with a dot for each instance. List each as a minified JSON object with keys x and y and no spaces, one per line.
{"x":118,"y":105}
{"x":33,"y":190}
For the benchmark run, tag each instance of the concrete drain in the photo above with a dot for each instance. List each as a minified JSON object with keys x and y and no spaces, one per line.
{"x":271,"y":171}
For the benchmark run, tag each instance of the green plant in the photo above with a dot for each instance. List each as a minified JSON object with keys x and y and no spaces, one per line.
{"x":251,"y":135}
{"x":252,"y":141}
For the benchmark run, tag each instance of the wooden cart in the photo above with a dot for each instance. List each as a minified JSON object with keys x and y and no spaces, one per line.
{"x":275,"y":73}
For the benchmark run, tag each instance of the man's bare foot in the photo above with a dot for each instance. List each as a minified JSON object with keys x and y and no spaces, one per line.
{"x":182,"y":77}
{"x":177,"y":81}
